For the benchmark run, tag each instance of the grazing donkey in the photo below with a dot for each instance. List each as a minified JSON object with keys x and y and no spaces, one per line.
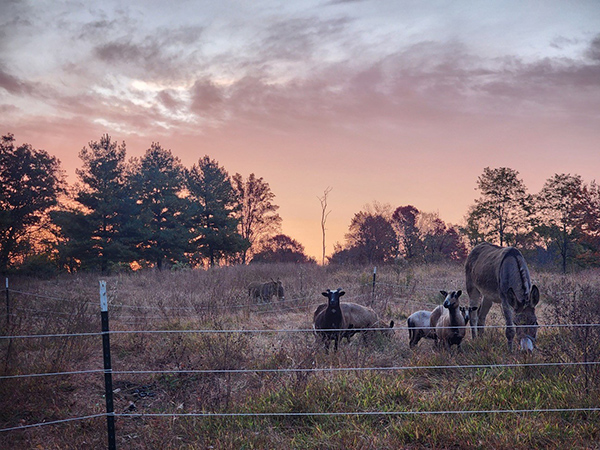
{"x":500,"y":275}
{"x":264,"y":292}
{"x":329,"y":322}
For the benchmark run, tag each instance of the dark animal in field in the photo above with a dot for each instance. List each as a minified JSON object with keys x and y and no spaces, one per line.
{"x":264,"y":292}
{"x":500,"y":275}
{"x":329,"y":322}
{"x":361,"y":319}
{"x":450,"y":326}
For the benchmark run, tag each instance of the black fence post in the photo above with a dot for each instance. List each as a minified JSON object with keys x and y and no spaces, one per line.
{"x":110,"y":410}
{"x":373,"y":291}
{"x":7,"y":305}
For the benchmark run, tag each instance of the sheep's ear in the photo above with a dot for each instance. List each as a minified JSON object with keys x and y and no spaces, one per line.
{"x":325,"y":294}
{"x":473,"y":308}
{"x":341,"y":292}
{"x":458,"y":294}
{"x":535,"y":295}
{"x":392,"y":324}
{"x":444,"y":293}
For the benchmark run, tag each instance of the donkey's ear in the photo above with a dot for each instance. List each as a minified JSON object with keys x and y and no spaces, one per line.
{"x":535,"y":295}
{"x":444,"y":293}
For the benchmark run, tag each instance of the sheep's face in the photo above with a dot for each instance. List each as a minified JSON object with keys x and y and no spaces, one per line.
{"x":334,"y":297}
{"x":451,"y":299}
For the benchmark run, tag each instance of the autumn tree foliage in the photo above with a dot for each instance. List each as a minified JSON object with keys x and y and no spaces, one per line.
{"x":281,"y":249}
{"x":502,"y":210}
{"x":257,"y":212}
{"x":560,"y":205}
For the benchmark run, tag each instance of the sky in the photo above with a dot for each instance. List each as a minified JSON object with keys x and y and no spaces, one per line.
{"x":391,"y":101}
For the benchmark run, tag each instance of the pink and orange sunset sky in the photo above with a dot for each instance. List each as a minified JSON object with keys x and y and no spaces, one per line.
{"x":399,"y":102}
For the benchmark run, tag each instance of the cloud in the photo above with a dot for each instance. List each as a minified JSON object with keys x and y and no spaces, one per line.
{"x":13,"y":85}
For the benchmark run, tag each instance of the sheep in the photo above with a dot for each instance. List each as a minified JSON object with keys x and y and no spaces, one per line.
{"x":419,"y":327}
{"x":328,"y":321}
{"x":422,"y":324}
{"x":450,"y":327}
{"x":360,"y":319}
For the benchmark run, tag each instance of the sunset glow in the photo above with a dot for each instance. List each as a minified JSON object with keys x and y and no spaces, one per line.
{"x":399,"y":102}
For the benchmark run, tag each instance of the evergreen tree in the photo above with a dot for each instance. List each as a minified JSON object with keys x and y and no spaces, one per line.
{"x":31,"y":181}
{"x":157,"y":183}
{"x":101,"y":233}
{"x":214,"y":205}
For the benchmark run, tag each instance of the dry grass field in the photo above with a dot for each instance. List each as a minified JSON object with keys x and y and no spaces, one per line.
{"x":267,"y":385}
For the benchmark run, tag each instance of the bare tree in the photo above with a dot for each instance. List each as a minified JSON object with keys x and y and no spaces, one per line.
{"x":324,"y":214}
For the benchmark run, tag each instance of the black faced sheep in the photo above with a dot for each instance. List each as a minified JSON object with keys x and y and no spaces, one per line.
{"x":329,"y":321}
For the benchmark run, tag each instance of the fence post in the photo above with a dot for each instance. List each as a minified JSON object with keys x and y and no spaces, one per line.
{"x":7,"y":305}
{"x":110,"y":410}
{"x":373,"y":291}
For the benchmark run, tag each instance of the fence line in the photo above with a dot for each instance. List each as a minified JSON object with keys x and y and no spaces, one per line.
{"x":307,"y":370}
{"x":308,"y":414}
{"x":54,"y":422}
{"x":357,"y":413}
{"x":294,"y":330}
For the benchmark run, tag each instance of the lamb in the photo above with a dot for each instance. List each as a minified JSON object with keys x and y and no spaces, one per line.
{"x":328,"y":321}
{"x":450,"y":326}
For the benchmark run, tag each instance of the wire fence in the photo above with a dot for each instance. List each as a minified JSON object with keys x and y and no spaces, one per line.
{"x":100,"y":371}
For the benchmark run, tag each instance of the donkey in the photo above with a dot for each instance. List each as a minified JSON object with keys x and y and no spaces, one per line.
{"x":329,"y":322}
{"x":265,"y":291}
{"x":500,"y":275}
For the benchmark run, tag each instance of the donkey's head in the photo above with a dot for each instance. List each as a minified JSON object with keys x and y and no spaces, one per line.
{"x":279,"y":290}
{"x":451,"y":299}
{"x":525,"y":318}
{"x":334,"y":297}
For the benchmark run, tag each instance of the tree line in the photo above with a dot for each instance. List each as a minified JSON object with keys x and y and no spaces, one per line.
{"x":146,"y":212}
{"x":154,"y":212}
{"x":558,"y":226}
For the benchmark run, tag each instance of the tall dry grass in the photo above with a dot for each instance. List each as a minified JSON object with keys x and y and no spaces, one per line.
{"x":217,"y":299}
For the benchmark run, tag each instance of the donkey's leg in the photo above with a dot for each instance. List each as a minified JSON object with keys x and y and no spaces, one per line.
{"x":475,"y":299}
{"x":510,"y":325}
{"x":481,"y":314}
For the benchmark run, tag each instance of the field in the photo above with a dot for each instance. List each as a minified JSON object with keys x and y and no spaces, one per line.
{"x":258,"y":380}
